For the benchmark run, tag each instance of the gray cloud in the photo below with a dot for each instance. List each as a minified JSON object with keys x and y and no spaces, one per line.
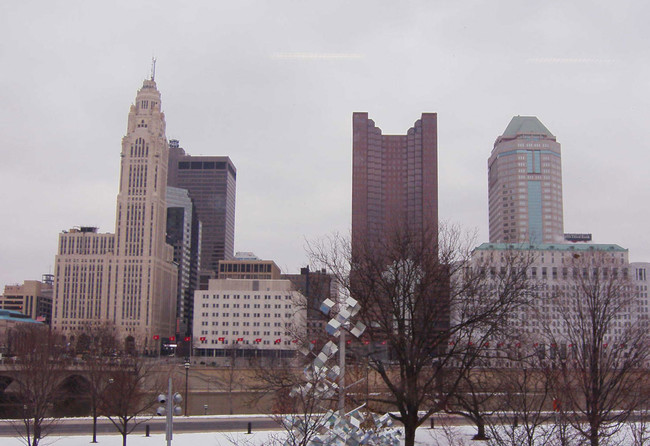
{"x":273,"y":85}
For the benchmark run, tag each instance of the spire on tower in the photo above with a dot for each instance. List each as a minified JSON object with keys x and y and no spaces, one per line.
{"x":153,"y":68}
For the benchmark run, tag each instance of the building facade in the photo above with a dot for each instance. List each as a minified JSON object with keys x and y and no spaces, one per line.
{"x":316,"y":286}
{"x":525,"y":185}
{"x":33,"y":299}
{"x":560,"y":276}
{"x":639,"y":276}
{"x":248,"y":266}
{"x":394,"y":179}
{"x":211,"y":182}
{"x":248,"y":318}
{"x":83,"y":279}
{"x":127,"y":279}
{"x":184,"y":235}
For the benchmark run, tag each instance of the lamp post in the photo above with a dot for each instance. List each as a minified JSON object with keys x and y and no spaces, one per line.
{"x":187,"y":371}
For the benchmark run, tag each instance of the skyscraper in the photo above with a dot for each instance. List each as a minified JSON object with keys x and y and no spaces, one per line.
{"x":184,"y":234}
{"x":211,"y":182}
{"x":127,"y":278}
{"x":525,"y":184}
{"x":394,"y":179}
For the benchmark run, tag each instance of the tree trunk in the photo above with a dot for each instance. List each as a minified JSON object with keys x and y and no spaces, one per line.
{"x":37,"y":432}
{"x":593,"y":436}
{"x":480,"y":435}
{"x":410,"y":422}
{"x":409,"y":434}
{"x":94,"y":423}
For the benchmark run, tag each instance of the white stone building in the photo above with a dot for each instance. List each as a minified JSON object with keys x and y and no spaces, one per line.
{"x":249,"y":317}
{"x":127,"y":279}
{"x":559,"y":275}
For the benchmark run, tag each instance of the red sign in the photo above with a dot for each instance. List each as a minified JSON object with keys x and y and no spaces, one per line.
{"x":258,"y":340}
{"x":240,"y":339}
{"x":188,"y":338}
{"x":222,"y":339}
{"x":156,"y":337}
{"x":277,"y":341}
{"x":172,"y":338}
{"x":202,"y":338}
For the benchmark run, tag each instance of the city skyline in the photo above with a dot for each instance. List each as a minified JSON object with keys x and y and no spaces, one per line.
{"x":274,"y":89}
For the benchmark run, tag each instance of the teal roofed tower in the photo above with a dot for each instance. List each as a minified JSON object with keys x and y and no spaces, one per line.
{"x":526,"y":125}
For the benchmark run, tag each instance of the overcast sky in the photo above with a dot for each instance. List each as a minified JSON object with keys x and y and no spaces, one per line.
{"x":273,"y":85}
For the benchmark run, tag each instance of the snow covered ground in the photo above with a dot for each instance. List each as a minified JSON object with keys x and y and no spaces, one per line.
{"x":435,"y":437}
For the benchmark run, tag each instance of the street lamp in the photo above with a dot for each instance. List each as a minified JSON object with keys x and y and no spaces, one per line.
{"x":187,"y":371}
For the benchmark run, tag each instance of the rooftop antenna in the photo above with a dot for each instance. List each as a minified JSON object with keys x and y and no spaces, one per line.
{"x":153,"y":68}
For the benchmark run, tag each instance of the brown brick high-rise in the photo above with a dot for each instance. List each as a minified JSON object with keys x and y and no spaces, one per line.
{"x":394,"y":179}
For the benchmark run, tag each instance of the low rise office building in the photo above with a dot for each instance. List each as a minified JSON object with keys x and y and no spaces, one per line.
{"x":248,"y":318}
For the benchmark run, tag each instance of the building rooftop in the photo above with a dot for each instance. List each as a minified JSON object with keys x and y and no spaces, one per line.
{"x":10,"y":315}
{"x":570,"y":247}
{"x":526,"y":125}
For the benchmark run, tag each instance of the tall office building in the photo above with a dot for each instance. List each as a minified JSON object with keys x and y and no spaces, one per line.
{"x":211,"y":182}
{"x":394,"y":179}
{"x":525,"y":184}
{"x":127,"y":278}
{"x":184,"y":234}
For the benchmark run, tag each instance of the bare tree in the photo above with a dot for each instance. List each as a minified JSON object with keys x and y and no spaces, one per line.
{"x":39,"y":369}
{"x":475,"y":398}
{"x":424,"y":303}
{"x":523,"y":416}
{"x":98,"y":346}
{"x":300,"y":400}
{"x":127,"y":398}
{"x":639,"y":428}
{"x":598,"y":347}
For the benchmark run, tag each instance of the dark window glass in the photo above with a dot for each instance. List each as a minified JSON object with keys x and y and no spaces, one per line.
{"x":196,"y":165}
{"x":208,"y":165}
{"x":183,"y":165}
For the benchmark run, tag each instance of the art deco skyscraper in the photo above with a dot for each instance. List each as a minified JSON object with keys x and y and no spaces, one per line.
{"x":394,"y":179}
{"x":127,"y":278}
{"x":525,"y":184}
{"x":145,"y":276}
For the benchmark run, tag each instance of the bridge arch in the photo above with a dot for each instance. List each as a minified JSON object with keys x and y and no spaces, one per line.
{"x":73,"y":396}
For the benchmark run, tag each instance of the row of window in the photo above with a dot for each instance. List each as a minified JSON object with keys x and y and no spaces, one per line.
{"x":246,"y":297}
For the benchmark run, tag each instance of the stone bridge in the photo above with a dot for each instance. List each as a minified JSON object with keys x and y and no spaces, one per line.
{"x":213,"y":389}
{"x":73,"y":388}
